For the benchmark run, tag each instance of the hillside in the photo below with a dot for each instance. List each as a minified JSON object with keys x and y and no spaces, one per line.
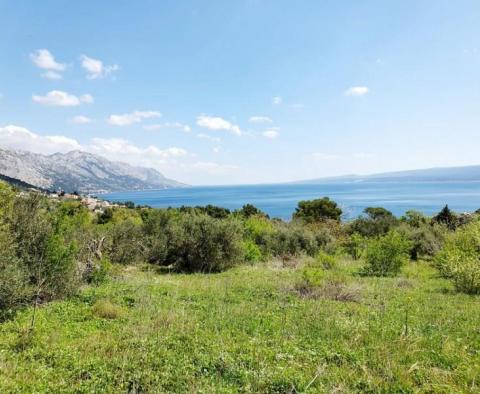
{"x":79,"y":171}
{"x":439,"y":174}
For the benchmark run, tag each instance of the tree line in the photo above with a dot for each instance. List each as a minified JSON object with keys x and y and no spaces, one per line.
{"x":50,"y":248}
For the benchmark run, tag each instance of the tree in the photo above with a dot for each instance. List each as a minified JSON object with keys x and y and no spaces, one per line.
{"x":376,"y":221}
{"x":249,"y":210}
{"x":446,"y":217}
{"x":414,"y":218}
{"x":318,"y":210}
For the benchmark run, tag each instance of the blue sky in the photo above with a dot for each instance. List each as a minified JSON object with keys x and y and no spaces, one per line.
{"x":247,"y":91}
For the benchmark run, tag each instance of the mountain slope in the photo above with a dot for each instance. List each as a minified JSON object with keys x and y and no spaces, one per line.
{"x":438,"y":174}
{"x":80,"y":171}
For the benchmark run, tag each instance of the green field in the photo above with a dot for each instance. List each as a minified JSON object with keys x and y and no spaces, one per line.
{"x":248,"y":329}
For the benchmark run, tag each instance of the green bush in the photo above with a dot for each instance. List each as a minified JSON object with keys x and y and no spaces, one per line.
{"x":375,"y":221}
{"x":207,"y":244}
{"x":425,"y":239}
{"x":385,"y":255}
{"x":14,"y":289}
{"x":252,"y":251}
{"x":317,"y":210}
{"x":41,"y":246}
{"x":326,"y":260}
{"x":459,"y":259}
{"x":125,"y":246}
{"x":354,"y":245}
{"x":162,"y":231}
{"x":293,"y":239}
{"x":100,"y":271}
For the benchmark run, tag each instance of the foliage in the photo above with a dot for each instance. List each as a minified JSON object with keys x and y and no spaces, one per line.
{"x":105,"y":309}
{"x":318,"y":210}
{"x":326,"y":260}
{"x":210,"y":210}
{"x":459,"y":259}
{"x":376,"y":221}
{"x":293,"y":240}
{"x":446,"y":217}
{"x":207,"y":244}
{"x":425,"y":239}
{"x":125,"y":242}
{"x":249,"y":210}
{"x":252,"y":251}
{"x":385,"y":255}
{"x":14,"y":289}
{"x":414,"y":219}
{"x":355,"y":245}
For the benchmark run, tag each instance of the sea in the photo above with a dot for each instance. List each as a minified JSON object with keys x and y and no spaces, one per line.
{"x":280,"y":200}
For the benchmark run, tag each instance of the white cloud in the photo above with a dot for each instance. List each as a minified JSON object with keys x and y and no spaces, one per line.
{"x":208,"y":137}
{"x":20,"y":138}
{"x":169,"y":125}
{"x":270,"y":134}
{"x":277,"y":100}
{"x":174,"y":161}
{"x":260,"y":119}
{"x":131,"y":118}
{"x":52,"y":75}
{"x":42,"y":58}
{"x":16,"y":137}
{"x":217,"y":123}
{"x":80,"y":119}
{"x":95,"y":67}
{"x":216,"y":149}
{"x":119,"y":149}
{"x":357,"y":91}
{"x":57,"y":98}
{"x":320,"y":156}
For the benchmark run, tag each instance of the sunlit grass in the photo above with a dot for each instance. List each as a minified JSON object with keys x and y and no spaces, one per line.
{"x":248,"y":330}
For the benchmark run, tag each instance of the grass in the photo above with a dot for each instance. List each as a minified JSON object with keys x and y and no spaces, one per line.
{"x":248,"y":330}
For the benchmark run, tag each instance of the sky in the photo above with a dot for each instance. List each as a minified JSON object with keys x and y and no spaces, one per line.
{"x":245,"y":91}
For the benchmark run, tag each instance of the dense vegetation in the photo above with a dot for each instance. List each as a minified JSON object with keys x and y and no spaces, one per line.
{"x":314,"y":303}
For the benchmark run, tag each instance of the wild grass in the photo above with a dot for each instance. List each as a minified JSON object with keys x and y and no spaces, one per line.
{"x":244,"y":330}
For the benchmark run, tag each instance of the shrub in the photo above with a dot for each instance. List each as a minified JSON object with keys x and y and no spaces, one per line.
{"x":376,"y":221}
{"x":459,"y":259}
{"x":14,"y":288}
{"x":414,"y":218}
{"x":100,"y":271}
{"x":162,"y":231}
{"x":252,"y":251}
{"x":425,"y":239}
{"x":207,"y":244}
{"x":293,"y":239}
{"x":260,"y":231}
{"x":125,"y":242}
{"x":47,"y":256}
{"x":106,"y":310}
{"x":317,"y":210}
{"x":385,"y":255}
{"x":326,"y":260}
{"x":354,"y":245}
{"x":337,"y":286}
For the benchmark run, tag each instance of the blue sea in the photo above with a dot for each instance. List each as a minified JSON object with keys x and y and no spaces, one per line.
{"x":280,"y":200}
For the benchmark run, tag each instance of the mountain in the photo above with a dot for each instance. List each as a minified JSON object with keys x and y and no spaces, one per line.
{"x":17,"y":182}
{"x":438,"y":174}
{"x":79,"y":171}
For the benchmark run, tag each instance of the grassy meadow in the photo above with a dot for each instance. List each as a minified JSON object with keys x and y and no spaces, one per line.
{"x":251,"y":329}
